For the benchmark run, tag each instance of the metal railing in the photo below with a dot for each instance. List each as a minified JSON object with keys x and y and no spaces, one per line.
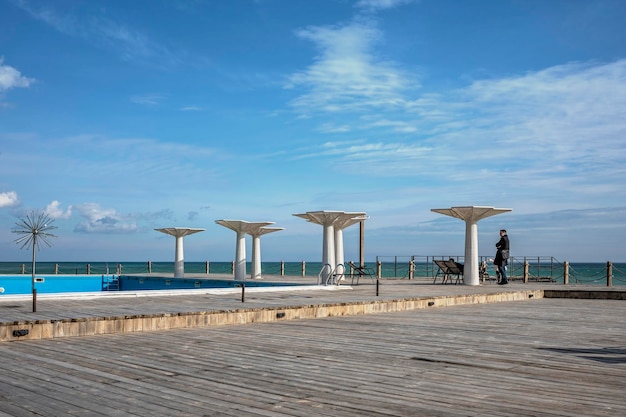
{"x":526,"y":268}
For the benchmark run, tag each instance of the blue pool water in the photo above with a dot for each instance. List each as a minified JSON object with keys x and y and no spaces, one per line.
{"x":22,"y":284}
{"x":138,"y":283}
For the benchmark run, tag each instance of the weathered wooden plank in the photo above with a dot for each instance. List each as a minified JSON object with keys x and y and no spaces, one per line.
{"x":551,"y":357}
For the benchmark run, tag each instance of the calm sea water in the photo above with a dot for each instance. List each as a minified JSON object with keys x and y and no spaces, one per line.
{"x":587,"y":273}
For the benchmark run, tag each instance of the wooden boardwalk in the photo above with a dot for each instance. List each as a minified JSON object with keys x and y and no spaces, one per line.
{"x":66,"y":315}
{"x":539,"y":357}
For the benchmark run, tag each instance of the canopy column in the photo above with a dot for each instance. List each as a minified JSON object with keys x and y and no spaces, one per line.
{"x":179,"y":256}
{"x":256,"y":248}
{"x":333,"y":223}
{"x":471,"y":215}
{"x":242,"y":227}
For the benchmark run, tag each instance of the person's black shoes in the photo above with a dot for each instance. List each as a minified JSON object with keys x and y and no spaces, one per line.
{"x":503,"y":282}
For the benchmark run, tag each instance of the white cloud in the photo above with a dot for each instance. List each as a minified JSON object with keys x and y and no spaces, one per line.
{"x":356,"y":155}
{"x":191,"y":108}
{"x":347,"y":75}
{"x":563,"y":122}
{"x":9,"y":199}
{"x":560,"y":127}
{"x":394,"y":125}
{"x":100,"y":220}
{"x":147,"y":99}
{"x":12,"y":78}
{"x":552,"y":138}
{"x":373,"y":5}
{"x":55,"y":211}
{"x":334,"y":128}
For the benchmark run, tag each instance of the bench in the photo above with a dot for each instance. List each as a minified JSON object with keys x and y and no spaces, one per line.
{"x":358,"y":272}
{"x":448,"y":270}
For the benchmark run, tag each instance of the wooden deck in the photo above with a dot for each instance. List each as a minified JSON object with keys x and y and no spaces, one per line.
{"x":540,"y":357}
{"x":71,"y":315}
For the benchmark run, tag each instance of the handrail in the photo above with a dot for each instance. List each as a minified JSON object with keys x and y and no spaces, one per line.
{"x":338,"y":276}
{"x":333,"y":274}
{"x":319,"y":276}
{"x":110,"y":282}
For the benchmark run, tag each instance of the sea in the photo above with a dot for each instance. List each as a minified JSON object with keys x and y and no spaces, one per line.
{"x":539,"y":269}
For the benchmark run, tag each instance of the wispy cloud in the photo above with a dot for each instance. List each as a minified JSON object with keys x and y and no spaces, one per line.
{"x":129,"y":43}
{"x":347,"y":75}
{"x":334,"y":128}
{"x":561,"y":127}
{"x":375,"y":5}
{"x":147,"y":99}
{"x":552,"y":138}
{"x":566,"y":121}
{"x":399,"y":126}
{"x":191,"y":108}
{"x":114,"y":172}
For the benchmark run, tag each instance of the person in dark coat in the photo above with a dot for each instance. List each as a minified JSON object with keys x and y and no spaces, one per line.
{"x":502,"y":257}
{"x":458,"y":265}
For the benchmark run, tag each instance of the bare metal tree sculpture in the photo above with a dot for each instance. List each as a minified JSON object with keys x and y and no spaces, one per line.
{"x":34,"y":228}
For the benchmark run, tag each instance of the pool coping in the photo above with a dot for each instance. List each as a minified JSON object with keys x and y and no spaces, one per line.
{"x":169,"y":293}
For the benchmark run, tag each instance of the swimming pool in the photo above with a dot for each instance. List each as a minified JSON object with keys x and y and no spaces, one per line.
{"x":22,"y":284}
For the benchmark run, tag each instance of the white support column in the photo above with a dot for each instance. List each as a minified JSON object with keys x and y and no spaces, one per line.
{"x":339,"y":254}
{"x":256,"y":257}
{"x":256,"y":234}
{"x":256,"y":229}
{"x":179,"y":261}
{"x":240,"y":256}
{"x":328,"y":252}
{"x":179,"y":257}
{"x":470,"y":268}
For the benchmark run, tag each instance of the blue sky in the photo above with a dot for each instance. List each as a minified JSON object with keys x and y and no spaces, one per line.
{"x":119,"y":117}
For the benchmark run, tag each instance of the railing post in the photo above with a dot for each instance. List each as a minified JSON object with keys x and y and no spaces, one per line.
{"x":303,"y":268}
{"x":206,"y":267}
{"x":232,"y":267}
{"x":537,"y":269}
{"x":149,"y":267}
{"x":379,"y":268}
{"x":525,"y":271}
{"x":609,"y":274}
{"x":565,"y":273}
{"x":88,"y":269}
{"x":23,"y":269}
{"x":395,"y":267}
{"x":282,"y":268}
{"x":411,"y":269}
{"x":56,"y":269}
